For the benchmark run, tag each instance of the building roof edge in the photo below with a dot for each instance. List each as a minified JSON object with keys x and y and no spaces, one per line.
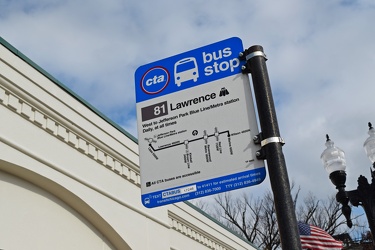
{"x":64,"y":87}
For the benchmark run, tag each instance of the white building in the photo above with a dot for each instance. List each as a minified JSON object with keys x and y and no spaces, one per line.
{"x":69,"y":177}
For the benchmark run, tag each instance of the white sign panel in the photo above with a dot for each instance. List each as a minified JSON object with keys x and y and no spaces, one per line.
{"x":196,"y":121}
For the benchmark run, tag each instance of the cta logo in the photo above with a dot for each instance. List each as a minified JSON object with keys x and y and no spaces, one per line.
{"x":155,"y":80}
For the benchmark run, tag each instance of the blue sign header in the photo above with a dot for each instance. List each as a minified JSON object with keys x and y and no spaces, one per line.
{"x":189,"y":69}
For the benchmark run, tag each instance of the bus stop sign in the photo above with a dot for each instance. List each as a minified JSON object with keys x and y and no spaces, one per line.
{"x":196,"y":123}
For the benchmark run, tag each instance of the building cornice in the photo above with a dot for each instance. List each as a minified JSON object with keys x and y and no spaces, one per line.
{"x":194,"y":232}
{"x":66,"y":132}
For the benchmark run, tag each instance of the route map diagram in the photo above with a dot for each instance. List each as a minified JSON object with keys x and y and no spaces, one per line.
{"x":207,"y":147}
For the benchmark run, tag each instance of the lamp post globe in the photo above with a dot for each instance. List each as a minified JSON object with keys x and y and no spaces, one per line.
{"x":335,"y":163}
{"x":333,"y":157}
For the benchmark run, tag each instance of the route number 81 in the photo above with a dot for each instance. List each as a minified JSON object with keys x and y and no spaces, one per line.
{"x":154,"y":111}
{"x":159,"y":110}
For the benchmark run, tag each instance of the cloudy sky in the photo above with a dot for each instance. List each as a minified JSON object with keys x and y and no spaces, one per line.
{"x":321,"y":61}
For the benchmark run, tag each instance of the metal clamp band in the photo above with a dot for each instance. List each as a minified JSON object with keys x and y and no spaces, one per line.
{"x":272,"y":140}
{"x":256,"y":53}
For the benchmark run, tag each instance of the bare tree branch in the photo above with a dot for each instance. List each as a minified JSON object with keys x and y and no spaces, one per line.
{"x":255,"y":218}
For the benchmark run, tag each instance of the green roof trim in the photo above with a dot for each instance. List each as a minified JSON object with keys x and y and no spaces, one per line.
{"x":65,"y":88}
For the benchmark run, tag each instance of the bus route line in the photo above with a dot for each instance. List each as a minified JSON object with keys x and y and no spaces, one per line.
{"x":185,"y":142}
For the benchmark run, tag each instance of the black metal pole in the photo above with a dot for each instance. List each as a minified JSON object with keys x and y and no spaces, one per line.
{"x":272,"y":147}
{"x":364,"y":195}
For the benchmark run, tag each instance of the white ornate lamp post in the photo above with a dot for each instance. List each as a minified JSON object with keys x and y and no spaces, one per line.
{"x":334,"y":162}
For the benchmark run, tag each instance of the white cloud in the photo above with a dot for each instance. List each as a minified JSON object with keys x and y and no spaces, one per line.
{"x":321,"y":61}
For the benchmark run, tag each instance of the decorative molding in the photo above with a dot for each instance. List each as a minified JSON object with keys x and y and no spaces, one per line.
{"x":71,"y":138}
{"x":192,"y":231}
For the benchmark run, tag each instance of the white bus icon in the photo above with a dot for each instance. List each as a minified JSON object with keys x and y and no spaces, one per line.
{"x":185,"y":69}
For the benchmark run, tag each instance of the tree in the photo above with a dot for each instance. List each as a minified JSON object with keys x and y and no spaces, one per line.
{"x":255,"y":217}
{"x":321,"y":213}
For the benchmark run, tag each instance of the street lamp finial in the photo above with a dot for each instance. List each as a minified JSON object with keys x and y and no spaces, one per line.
{"x":327,"y":137}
